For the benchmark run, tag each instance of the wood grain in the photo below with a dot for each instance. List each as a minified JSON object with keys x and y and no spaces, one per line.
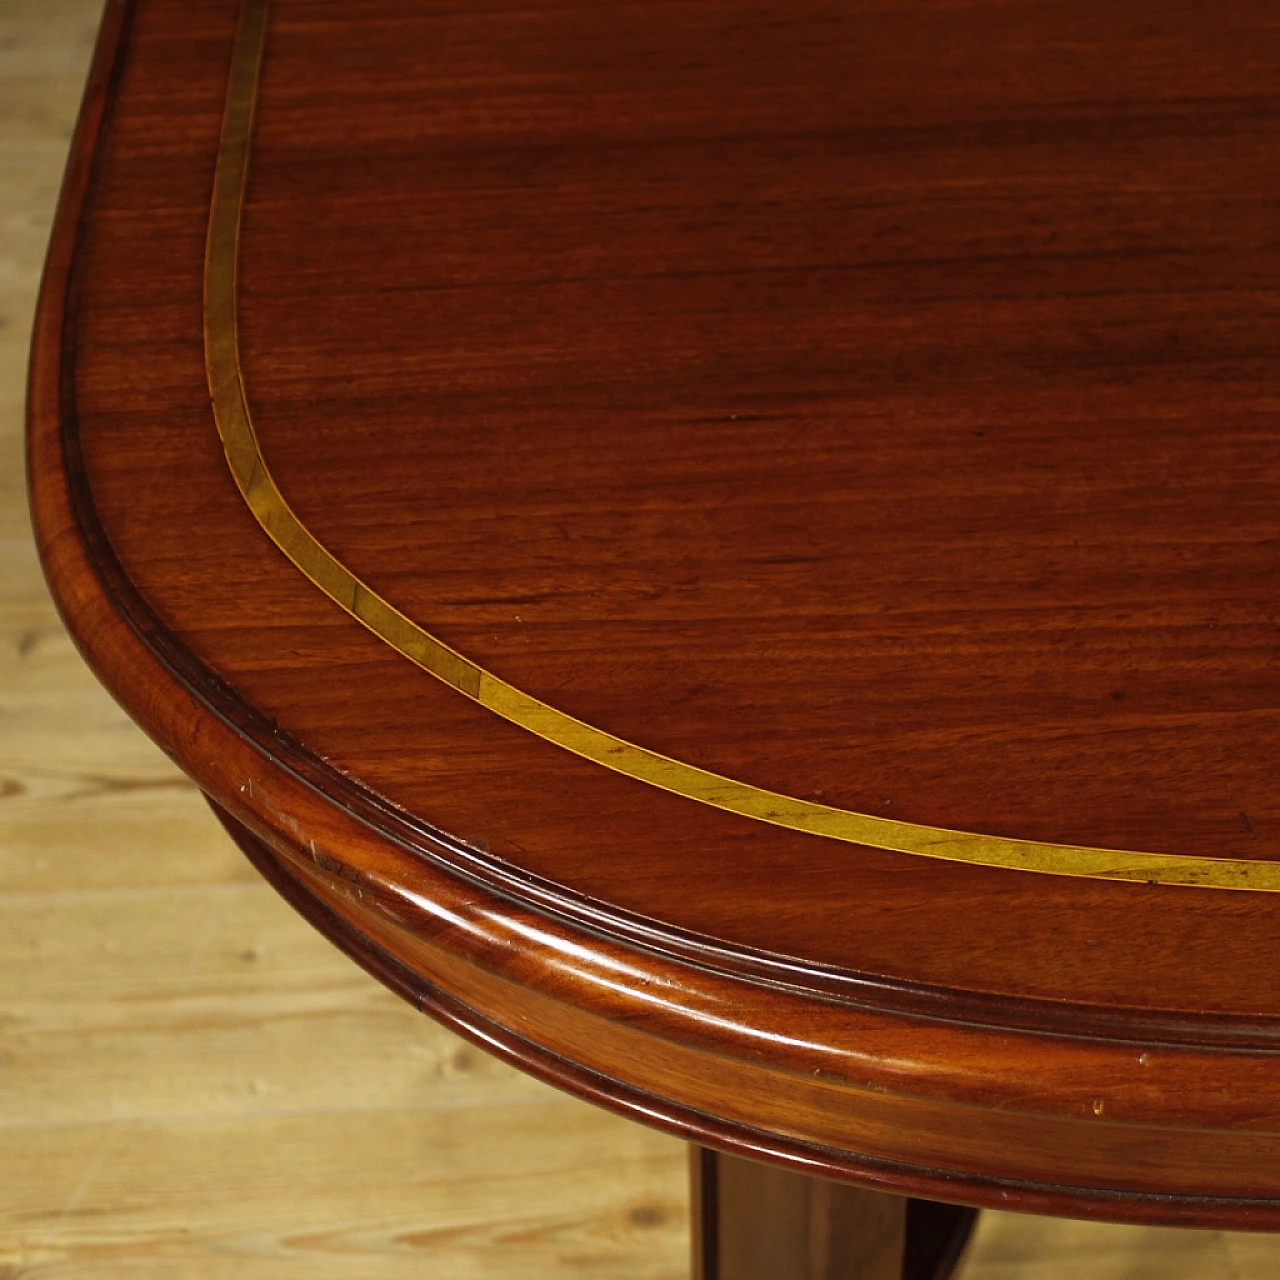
{"x":763,"y":1223}
{"x":1098,"y":1039}
{"x":122,"y":1095}
{"x":194,"y":1084}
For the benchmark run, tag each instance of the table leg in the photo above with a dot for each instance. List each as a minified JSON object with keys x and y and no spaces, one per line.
{"x":758,"y":1222}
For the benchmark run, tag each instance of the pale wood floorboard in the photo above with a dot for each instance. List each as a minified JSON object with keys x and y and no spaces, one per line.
{"x":194,"y":1085}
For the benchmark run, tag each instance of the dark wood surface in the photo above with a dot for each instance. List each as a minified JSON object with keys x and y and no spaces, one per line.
{"x":759,"y":1222}
{"x":874,"y":404}
{"x":751,"y":1221}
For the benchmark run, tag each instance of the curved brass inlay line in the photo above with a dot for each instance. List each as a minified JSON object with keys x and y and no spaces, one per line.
{"x":269,"y":506}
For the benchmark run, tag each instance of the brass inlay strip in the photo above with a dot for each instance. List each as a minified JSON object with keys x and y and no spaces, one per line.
{"x":287,"y":531}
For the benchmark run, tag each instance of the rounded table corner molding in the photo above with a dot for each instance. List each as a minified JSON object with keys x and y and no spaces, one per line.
{"x":889,"y":1001}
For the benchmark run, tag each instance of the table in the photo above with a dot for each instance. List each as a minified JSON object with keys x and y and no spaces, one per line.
{"x":725,"y":552}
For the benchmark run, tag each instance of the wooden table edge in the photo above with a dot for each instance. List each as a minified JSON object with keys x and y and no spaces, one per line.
{"x":288,"y":821}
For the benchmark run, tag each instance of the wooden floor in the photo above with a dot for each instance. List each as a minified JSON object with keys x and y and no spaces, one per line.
{"x":194,"y":1085}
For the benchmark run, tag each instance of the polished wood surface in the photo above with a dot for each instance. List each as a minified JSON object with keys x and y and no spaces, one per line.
{"x":751,"y":1221}
{"x":215,"y":1020}
{"x":872,"y":407}
{"x":756,"y":1222}
{"x":193,"y":1084}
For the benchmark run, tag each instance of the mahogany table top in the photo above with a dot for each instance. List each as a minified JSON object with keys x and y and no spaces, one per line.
{"x":730,"y":550}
